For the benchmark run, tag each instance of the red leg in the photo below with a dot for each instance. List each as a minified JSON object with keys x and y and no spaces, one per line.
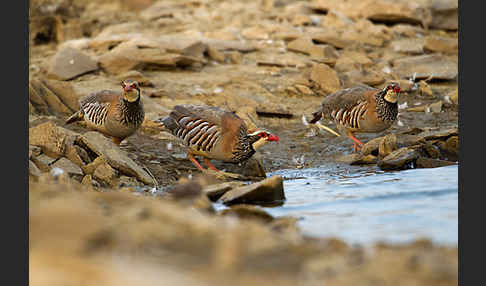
{"x":208,"y":163}
{"x":357,"y":143}
{"x":194,"y":161}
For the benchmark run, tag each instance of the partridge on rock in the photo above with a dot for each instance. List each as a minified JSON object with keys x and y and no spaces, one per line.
{"x":213,"y":133}
{"x":115,"y":114}
{"x":360,"y":109}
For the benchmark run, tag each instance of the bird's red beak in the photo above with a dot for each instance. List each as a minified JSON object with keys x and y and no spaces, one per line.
{"x":272,"y":137}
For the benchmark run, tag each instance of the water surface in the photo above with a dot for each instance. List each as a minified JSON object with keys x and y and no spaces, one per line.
{"x":365,"y":205}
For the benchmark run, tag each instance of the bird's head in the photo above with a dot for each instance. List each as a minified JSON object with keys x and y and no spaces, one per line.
{"x":258,"y":137}
{"x":131,"y":90}
{"x":391,"y":92}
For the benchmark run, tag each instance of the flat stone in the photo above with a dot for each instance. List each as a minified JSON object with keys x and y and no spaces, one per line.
{"x":68,"y":167}
{"x":115,"y":157}
{"x":424,"y":162}
{"x":52,"y":139}
{"x":371,"y":147}
{"x":351,"y":60}
{"x":268,"y":191}
{"x":408,"y":45}
{"x":69,"y":63}
{"x":65,"y":92}
{"x":394,"y":12}
{"x":330,"y":38}
{"x":325,"y":77}
{"x":441,"y":44}
{"x":214,"y":192}
{"x":433,"y":66}
{"x":365,"y":76}
{"x":399,"y":159}
{"x":444,"y":14}
{"x":357,"y":159}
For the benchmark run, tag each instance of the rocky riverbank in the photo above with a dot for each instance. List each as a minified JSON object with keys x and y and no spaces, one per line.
{"x":272,"y":62}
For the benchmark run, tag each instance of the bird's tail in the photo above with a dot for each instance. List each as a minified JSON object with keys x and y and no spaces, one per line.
{"x":77,"y":116}
{"x":315,"y":120}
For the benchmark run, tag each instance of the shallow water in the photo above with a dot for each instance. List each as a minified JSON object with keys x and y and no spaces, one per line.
{"x":366,"y":205}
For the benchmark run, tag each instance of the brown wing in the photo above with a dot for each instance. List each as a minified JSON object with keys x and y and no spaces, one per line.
{"x":201,"y":126}
{"x":96,"y":106}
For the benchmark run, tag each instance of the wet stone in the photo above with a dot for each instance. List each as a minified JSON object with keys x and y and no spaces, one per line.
{"x":424,"y":162}
{"x":267,"y":192}
{"x":400,"y":159}
{"x":357,"y":159}
{"x":387,"y":145}
{"x":214,"y":192}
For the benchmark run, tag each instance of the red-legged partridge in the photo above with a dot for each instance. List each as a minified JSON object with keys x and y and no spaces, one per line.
{"x":213,"y":133}
{"x":360,"y":109}
{"x":115,"y":114}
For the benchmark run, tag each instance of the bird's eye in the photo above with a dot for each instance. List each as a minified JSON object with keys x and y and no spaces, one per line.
{"x":263,"y":134}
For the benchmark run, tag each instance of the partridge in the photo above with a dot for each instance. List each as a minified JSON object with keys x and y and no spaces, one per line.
{"x":360,"y":109}
{"x":115,"y":114}
{"x":213,"y":133}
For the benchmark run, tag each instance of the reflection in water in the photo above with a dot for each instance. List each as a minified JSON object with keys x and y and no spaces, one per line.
{"x":366,"y":205}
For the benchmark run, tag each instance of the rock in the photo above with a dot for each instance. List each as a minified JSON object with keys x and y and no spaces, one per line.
{"x":444,"y":14}
{"x":43,"y":162}
{"x":137,"y":54}
{"x":441,"y":44}
{"x":65,"y":92}
{"x":450,"y":148}
{"x":302,"y":89}
{"x":371,"y":147}
{"x":433,"y":66}
{"x":136,"y":75}
{"x":409,"y":45}
{"x":91,"y":167}
{"x":69,"y":167}
{"x":357,"y":159}
{"x":432,"y":150}
{"x":243,"y":211}
{"x":45,"y":100}
{"x":254,"y":33}
{"x":105,"y":173}
{"x":393,"y":12}
{"x":365,"y":76}
{"x":301,"y":45}
{"x":387,"y":145}
{"x":115,"y":157}
{"x":399,"y":159}
{"x":214,"y":192}
{"x":69,"y":63}
{"x":52,"y":139}
{"x":423,"y":162}
{"x":34,"y":151}
{"x":190,"y":195}
{"x":268,"y":191}
{"x":33,"y":170}
{"x":227,"y":45}
{"x":216,"y":55}
{"x":325,"y":77}
{"x":331,"y":38}
{"x":351,"y":60}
